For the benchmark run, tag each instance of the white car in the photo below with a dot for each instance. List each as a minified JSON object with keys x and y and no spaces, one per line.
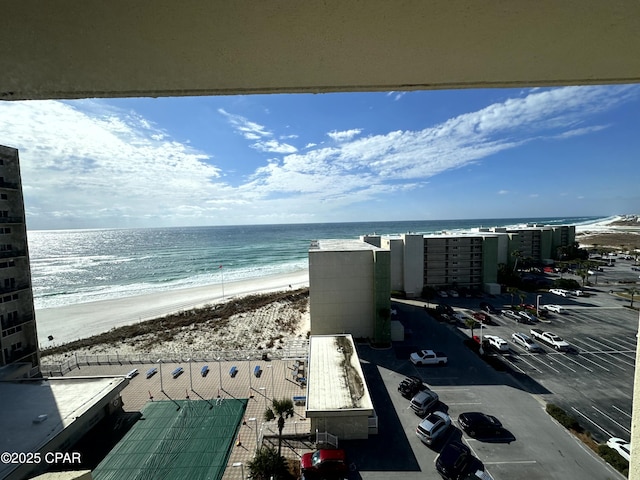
{"x":442,"y":294}
{"x":499,"y":344}
{"x":453,"y":293}
{"x":559,"y":291}
{"x":621,"y":446}
{"x":525,"y":342}
{"x":553,"y":308}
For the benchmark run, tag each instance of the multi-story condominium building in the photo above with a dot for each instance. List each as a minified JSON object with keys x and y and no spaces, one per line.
{"x":539,"y":243}
{"x":19,"y":339}
{"x":467,"y":260}
{"x":349,"y":289}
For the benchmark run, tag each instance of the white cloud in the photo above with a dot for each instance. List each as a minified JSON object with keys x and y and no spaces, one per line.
{"x":344,"y":135}
{"x":88,"y":160}
{"x":274,"y":147}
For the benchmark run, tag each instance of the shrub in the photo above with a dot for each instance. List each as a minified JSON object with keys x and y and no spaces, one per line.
{"x":566,"y":283}
{"x":614,"y":459}
{"x":566,"y":420}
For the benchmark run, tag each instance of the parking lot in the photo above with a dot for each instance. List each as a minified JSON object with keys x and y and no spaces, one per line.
{"x":593,"y":382}
{"x":532,"y":446}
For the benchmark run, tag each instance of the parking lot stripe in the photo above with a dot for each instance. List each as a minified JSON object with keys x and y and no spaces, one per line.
{"x":589,"y":420}
{"x":607,"y":416}
{"x":622,"y":411}
{"x":548,"y":364}
{"x":521,"y":357}
{"x":583,"y":357}
{"x":514,"y":462}
{"x":578,"y":363}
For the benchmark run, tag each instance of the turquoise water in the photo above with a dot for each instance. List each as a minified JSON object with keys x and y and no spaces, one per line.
{"x":76,"y":266}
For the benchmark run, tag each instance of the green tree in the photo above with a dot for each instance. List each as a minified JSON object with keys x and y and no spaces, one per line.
{"x":632,"y":292}
{"x":513,"y":291}
{"x":279,"y":409}
{"x":268,"y":464}
{"x":470,"y":323}
{"x":517,"y":254}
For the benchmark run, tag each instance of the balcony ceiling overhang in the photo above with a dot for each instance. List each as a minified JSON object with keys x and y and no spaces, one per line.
{"x":124,"y":48}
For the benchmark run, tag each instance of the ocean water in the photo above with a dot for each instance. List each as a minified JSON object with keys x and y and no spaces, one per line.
{"x":76,"y":266}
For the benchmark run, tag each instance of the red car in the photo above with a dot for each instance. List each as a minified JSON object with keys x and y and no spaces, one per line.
{"x":326,"y":461}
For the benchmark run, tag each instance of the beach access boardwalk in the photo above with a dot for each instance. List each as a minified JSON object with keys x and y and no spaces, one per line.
{"x":277,"y":379}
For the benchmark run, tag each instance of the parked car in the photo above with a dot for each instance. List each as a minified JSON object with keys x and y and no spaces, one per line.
{"x":423,"y":402}
{"x":487,"y":307}
{"x":453,"y":293}
{"x":621,"y":446}
{"x":442,"y":293}
{"x":433,"y":427}
{"x":410,"y":386}
{"x":559,"y":291}
{"x":454,"y":461}
{"x":478,"y":424}
{"x":325,"y":462}
{"x":512,"y":315}
{"x":497,"y":343}
{"x":428,"y":357}
{"x":525,"y":342}
{"x":552,"y":308}
{"x":527,"y":317}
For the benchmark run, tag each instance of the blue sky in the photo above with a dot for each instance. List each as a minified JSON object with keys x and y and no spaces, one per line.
{"x":341,"y":157}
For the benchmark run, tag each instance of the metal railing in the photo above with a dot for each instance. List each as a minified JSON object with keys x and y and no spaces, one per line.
{"x":76,"y":361}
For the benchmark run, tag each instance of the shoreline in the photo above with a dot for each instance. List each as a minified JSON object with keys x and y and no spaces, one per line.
{"x":62,"y":323}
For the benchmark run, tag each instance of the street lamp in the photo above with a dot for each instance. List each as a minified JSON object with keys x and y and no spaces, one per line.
{"x":270,"y":366}
{"x":241,"y":465}
{"x":250,"y":389}
{"x":264,"y":394}
{"x":538,"y":297}
{"x":481,"y":350}
{"x":190,"y":376}
{"x":160,"y":362}
{"x":255,"y":420}
{"x":219,"y":374}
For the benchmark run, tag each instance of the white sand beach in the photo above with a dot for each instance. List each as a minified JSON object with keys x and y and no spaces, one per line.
{"x":83,"y":320}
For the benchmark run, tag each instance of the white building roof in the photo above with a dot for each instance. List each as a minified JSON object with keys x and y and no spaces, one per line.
{"x":335,"y":382}
{"x":36,"y":411}
{"x":345,"y":245}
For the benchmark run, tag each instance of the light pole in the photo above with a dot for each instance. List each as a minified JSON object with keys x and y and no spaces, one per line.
{"x":264,"y":394}
{"x":241,"y":465}
{"x":250,"y":389}
{"x":270,"y":366}
{"x":160,"y":362}
{"x":255,"y":420}
{"x":481,"y":350}
{"x":222,"y":276}
{"x":538,"y":297}
{"x":190,"y":376}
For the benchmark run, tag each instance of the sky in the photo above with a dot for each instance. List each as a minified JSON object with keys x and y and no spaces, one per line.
{"x":338,"y":157}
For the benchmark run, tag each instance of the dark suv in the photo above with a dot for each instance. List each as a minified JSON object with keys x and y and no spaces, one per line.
{"x":410,"y":386}
{"x":454,"y":461}
{"x":487,"y":307}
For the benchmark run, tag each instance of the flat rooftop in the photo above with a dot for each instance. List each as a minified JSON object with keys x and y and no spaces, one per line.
{"x":335,"y":380}
{"x":345,"y":245}
{"x":62,"y":399}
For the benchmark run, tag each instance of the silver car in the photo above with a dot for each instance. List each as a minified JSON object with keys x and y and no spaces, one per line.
{"x":525,"y":342}
{"x":432,"y":427}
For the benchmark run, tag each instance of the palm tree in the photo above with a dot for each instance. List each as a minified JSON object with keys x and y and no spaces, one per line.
{"x":632,"y":291}
{"x":516,"y":254}
{"x":470,"y":323}
{"x":279,"y":409}
{"x":512,"y":291}
{"x":267,"y":464}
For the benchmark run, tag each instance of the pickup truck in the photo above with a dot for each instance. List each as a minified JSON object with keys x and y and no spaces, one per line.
{"x":428,"y":357}
{"x":550,"y":339}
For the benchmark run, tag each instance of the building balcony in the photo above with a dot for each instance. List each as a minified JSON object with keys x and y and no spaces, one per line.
{"x":11,"y":220}
{"x":20,"y":354}
{"x":9,"y":185}
{"x":21,"y":320}
{"x":15,"y":288}
{"x":13,"y":253}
